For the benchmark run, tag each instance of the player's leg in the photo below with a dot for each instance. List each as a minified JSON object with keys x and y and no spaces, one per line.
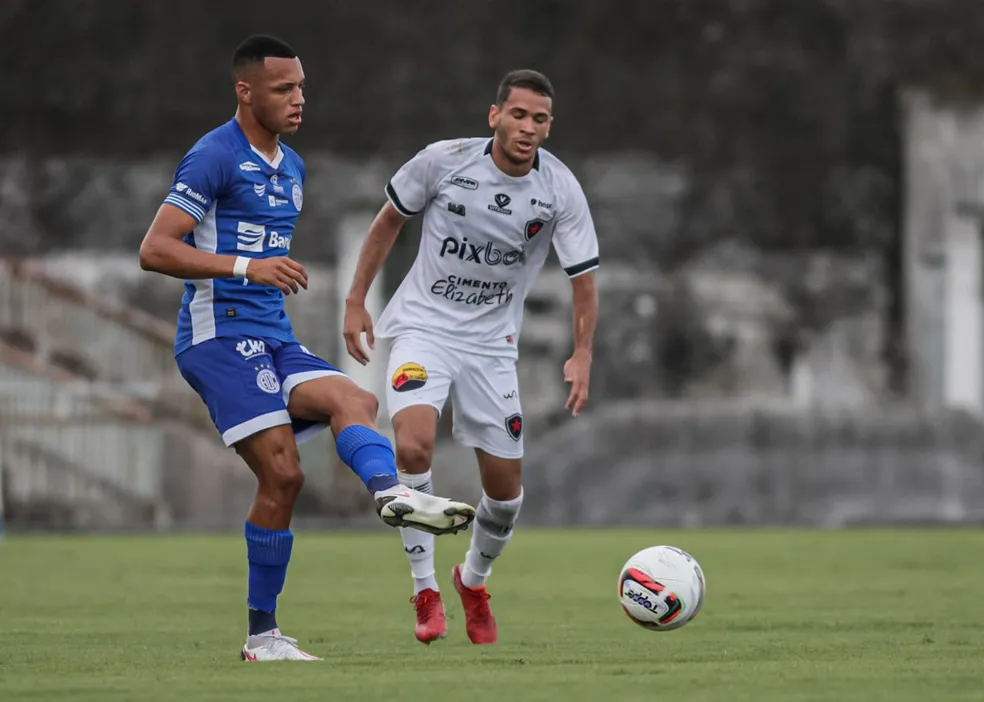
{"x":488,"y":417}
{"x":416,"y":429}
{"x":272,"y":456}
{"x":318,"y":394}
{"x":242,"y":395}
{"x":420,"y":375}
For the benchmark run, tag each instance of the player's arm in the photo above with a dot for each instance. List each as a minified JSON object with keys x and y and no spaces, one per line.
{"x":164,"y":250}
{"x":577,"y":248}
{"x":385,"y":227}
{"x":407,"y":194}
{"x":585,"y":313}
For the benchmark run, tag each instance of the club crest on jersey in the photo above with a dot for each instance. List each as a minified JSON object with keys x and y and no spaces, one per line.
{"x":501,"y":200}
{"x":409,"y":376}
{"x":298,"y":196}
{"x":533,"y":228}
{"x":514,"y":426}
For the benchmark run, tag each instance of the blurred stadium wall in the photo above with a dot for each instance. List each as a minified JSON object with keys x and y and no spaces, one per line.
{"x":788,"y":197}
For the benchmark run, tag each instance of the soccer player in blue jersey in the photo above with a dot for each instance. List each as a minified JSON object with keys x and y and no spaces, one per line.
{"x":225,"y":228}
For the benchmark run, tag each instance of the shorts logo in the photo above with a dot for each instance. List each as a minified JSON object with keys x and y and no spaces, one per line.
{"x":533,"y":228}
{"x":251,"y":347}
{"x":409,"y":376}
{"x":514,"y":426}
{"x":267,"y":381}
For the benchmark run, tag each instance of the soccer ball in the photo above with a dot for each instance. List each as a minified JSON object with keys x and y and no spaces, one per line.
{"x":661,"y":588}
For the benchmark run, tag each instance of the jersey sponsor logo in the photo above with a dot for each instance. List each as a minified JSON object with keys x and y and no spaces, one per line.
{"x":249,"y":348}
{"x":259,"y":189}
{"x":409,"y":376}
{"x":536,"y":202}
{"x":464,"y":182}
{"x":297,"y":195}
{"x":501,"y":200}
{"x":249,"y":166}
{"x":514,"y":426}
{"x":251,"y":237}
{"x":274,"y":200}
{"x":275,"y":182}
{"x":533,"y":228}
{"x":477,"y":253}
{"x":278,"y":241}
{"x":189,"y":193}
{"x":455,"y":208}
{"x":470,"y":291}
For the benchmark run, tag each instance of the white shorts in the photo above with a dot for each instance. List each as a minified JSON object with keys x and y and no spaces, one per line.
{"x":484,"y":392}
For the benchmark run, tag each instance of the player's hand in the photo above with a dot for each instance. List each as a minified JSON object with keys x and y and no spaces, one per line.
{"x":357,"y":321}
{"x":577,"y":372}
{"x":280,"y":272}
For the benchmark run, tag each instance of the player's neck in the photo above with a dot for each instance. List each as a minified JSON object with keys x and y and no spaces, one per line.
{"x":513,"y":170}
{"x":263,"y":140}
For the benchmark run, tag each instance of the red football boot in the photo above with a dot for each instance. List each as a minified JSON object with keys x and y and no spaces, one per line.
{"x":479,"y":622}
{"x":430,"y":616}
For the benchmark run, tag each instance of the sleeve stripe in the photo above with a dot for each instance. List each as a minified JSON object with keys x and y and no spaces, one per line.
{"x":395,"y":199}
{"x":191,"y":208}
{"x":579,"y":268}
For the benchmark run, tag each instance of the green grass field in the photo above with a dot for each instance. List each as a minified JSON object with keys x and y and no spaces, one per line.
{"x":789,"y":615}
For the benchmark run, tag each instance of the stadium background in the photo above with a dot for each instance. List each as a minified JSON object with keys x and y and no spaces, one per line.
{"x":787,"y":197}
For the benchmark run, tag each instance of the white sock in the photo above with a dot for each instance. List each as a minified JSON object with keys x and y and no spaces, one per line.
{"x":491,"y":531}
{"x":419,"y":545}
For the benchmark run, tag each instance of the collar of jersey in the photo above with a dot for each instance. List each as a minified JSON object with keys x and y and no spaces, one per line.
{"x":536,"y":156}
{"x":277,"y":160}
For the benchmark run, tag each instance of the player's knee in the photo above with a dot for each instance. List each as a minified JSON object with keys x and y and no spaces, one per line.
{"x":358,"y":406}
{"x":368,"y":402}
{"x":413,"y":454}
{"x":282,"y":474}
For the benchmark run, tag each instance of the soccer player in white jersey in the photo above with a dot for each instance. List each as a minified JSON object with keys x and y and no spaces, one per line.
{"x":226,"y":227}
{"x":491,"y":209}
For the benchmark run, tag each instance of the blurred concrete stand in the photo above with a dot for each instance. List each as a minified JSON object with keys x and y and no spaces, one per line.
{"x":789,"y":198}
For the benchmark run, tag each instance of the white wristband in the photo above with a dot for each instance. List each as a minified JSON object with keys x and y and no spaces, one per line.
{"x":239,"y":268}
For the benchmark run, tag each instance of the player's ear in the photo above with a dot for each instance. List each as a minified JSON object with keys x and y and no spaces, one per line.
{"x":243,"y":92}
{"x":493,"y":116}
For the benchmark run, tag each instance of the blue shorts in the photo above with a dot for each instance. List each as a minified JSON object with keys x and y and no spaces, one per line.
{"x":246,"y":383}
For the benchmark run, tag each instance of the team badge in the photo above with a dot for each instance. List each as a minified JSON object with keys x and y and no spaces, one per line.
{"x":298,"y":196}
{"x":409,"y":376}
{"x":514,"y":425}
{"x":267,"y":381}
{"x":533,"y":228}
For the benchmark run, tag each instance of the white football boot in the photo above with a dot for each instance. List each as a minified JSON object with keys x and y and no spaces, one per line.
{"x":273,"y":646}
{"x":401,"y":506}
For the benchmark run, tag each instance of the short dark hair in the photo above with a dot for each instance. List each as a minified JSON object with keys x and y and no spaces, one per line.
{"x":258,"y":47}
{"x":524,"y":78}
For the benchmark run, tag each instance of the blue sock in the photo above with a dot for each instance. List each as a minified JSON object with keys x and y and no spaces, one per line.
{"x":268,"y":552}
{"x":370,"y":455}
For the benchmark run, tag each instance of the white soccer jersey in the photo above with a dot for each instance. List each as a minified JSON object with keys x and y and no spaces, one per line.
{"x":485,"y":237}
